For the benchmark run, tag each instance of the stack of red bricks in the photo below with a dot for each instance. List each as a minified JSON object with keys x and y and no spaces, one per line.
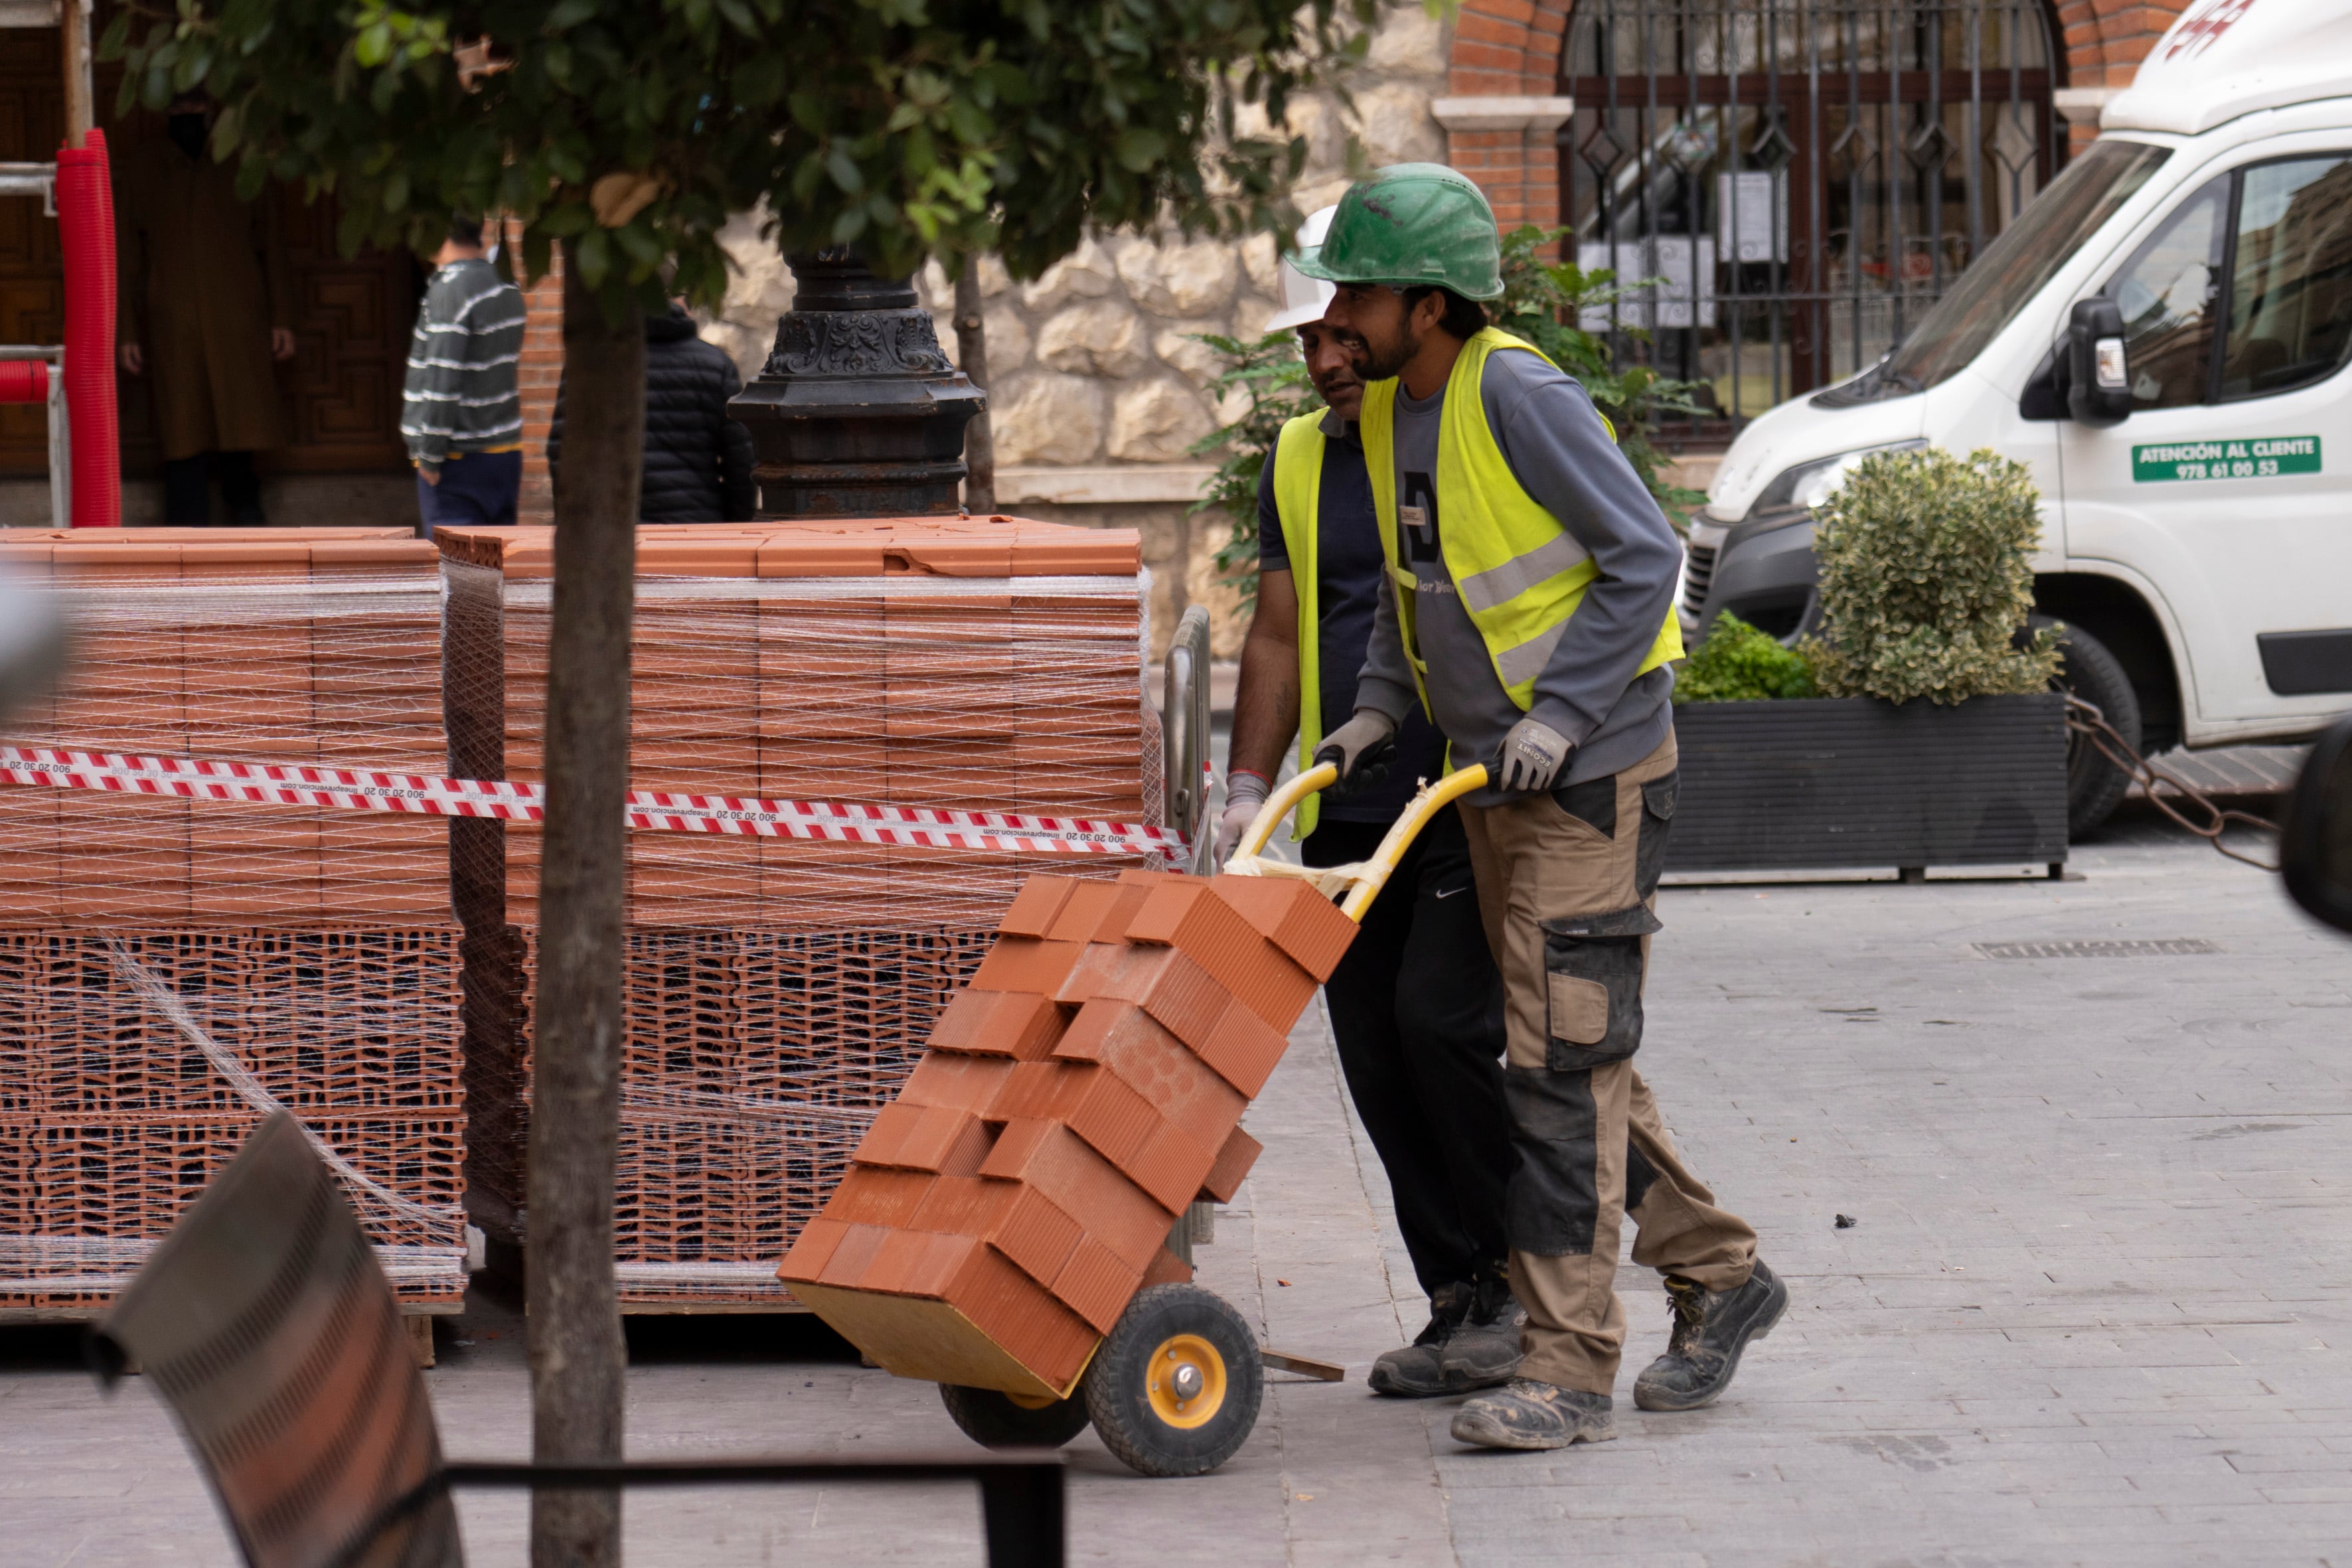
{"x":169,"y":967}
{"x":1085,"y":1087}
{"x":777,"y":988}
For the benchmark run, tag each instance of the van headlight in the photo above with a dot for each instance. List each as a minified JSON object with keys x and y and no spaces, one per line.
{"x":1801,"y":488}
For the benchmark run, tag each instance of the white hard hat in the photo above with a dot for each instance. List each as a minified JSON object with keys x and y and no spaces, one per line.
{"x":1304,"y":297}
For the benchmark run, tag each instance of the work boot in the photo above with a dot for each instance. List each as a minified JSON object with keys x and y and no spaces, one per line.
{"x":1485,"y":1351}
{"x":1711,"y":1327}
{"x":1532,"y":1414}
{"x":1418,"y":1371}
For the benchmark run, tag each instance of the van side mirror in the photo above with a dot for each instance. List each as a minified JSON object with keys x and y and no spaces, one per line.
{"x":2098,"y":381}
{"x":2316,"y":842}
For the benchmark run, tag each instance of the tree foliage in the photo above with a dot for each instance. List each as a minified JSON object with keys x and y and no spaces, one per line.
{"x":1926,"y":579}
{"x":905,"y":128}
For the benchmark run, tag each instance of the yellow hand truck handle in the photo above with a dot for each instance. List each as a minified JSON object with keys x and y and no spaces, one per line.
{"x":1363,"y":881}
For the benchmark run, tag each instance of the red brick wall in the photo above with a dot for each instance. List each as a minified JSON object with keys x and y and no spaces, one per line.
{"x":2104,"y":40}
{"x":1509,"y":48}
{"x":542,"y":369}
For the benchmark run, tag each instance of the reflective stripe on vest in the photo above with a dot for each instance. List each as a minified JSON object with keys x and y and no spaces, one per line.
{"x":1520,"y":574}
{"x":1298,"y":502}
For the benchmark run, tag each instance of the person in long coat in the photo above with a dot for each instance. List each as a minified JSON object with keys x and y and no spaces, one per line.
{"x":207,"y":306}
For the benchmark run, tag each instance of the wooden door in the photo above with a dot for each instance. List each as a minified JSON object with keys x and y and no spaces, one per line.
{"x":352,"y":315}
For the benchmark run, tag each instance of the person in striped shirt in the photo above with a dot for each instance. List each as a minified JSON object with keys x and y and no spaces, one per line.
{"x":461,"y":411}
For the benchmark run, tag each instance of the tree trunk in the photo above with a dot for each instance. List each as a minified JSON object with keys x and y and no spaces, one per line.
{"x":972,"y":358}
{"x":578,"y":1360}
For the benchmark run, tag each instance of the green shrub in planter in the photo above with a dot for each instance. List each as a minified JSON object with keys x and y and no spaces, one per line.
{"x":1737,"y":663}
{"x":1926,"y":579}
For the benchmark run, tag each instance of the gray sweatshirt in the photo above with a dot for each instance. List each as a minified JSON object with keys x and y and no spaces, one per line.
{"x":1561,"y":454}
{"x":463,"y":391}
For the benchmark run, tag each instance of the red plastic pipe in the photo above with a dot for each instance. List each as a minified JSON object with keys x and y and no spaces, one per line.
{"x":86,"y":230}
{"x":24,"y":381}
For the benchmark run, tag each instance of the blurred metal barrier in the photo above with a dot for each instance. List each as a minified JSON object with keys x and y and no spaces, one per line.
{"x":266,"y":1323}
{"x":1184,"y":718}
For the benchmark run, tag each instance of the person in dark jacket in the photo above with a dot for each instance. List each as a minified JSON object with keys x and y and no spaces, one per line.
{"x":698,"y":460}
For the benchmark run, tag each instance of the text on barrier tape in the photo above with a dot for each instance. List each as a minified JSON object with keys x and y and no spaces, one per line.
{"x":347,"y":789}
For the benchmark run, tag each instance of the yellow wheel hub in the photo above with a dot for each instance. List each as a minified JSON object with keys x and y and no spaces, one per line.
{"x":1185,"y":1380}
{"x":1034,"y":1401}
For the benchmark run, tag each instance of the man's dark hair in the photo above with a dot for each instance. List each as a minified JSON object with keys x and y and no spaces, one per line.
{"x":1464,"y":318}
{"x":465,"y":230}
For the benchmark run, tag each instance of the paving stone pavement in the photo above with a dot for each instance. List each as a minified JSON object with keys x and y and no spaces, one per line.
{"x":2093,"y":1308}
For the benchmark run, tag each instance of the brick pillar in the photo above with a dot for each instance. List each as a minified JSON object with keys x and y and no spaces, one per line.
{"x":2104,"y":41}
{"x":1503,"y":108}
{"x":542,"y":371}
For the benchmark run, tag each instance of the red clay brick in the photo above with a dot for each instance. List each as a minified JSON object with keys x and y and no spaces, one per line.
{"x":812,"y":1249}
{"x":855,"y":1253}
{"x":1020,"y":1024}
{"x":1152,"y":1061}
{"x":1059,"y":1165}
{"x":1027,"y":963}
{"x":1097,"y":1284}
{"x":1023,"y":1317}
{"x":1242,"y":1048}
{"x":1165,"y":1269}
{"x":1213,"y":933}
{"x":1170,"y":1165}
{"x":1112,"y":1116}
{"x":939,"y":1138}
{"x":962,"y":1206}
{"x":1293,"y":916}
{"x":1233,"y":1162}
{"x":963,"y":1082}
{"x":1040,"y":1091}
{"x":1036,"y":905}
{"x":1037,"y":1235}
{"x":918,"y":1263}
{"x":871,"y":1194}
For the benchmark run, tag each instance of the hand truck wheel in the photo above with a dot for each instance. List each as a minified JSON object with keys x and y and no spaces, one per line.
{"x":1176,"y":1385}
{"x":995,"y":1420}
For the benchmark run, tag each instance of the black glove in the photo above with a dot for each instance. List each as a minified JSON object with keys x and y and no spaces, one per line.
{"x":1362,"y":748}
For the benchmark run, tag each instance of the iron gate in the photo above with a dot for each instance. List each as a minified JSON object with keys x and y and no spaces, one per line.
{"x":1795,"y":182}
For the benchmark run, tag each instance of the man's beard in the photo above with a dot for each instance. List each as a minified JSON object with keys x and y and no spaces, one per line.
{"x":1378,"y":364}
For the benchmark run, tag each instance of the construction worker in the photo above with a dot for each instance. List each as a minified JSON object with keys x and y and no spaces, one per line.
{"x":1531,"y":615}
{"x":1416,"y":1004}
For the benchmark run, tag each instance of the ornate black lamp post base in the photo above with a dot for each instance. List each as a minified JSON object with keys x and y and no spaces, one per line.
{"x":857,"y":413}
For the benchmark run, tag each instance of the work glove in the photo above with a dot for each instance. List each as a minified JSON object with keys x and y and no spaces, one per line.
{"x":1362,"y":748}
{"x":1244,"y":793}
{"x":1532,"y":757}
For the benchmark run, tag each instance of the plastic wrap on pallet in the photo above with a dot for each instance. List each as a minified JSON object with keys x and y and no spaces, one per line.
{"x":132,"y":1066}
{"x":318,"y":651}
{"x":171,"y":970}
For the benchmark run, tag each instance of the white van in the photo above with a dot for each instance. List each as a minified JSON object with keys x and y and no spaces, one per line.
{"x":2162,"y":337}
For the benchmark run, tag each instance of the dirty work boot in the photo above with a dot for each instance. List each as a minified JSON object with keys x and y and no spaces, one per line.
{"x":1418,"y":1371}
{"x":1485,"y":1351}
{"x":1711,"y":1327}
{"x":1532,"y":1414}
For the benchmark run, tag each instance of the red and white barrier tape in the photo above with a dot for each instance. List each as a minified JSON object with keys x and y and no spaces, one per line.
{"x":276,"y":783}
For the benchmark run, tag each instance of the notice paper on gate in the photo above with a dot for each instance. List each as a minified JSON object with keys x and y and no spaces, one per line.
{"x":276,"y":783}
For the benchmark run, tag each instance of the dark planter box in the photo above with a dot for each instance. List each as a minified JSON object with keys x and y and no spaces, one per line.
{"x":1854,"y":782}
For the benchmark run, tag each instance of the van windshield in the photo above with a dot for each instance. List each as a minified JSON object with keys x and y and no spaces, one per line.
{"x":2015,"y":266}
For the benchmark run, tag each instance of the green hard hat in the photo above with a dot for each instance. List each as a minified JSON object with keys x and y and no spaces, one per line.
{"x":1410,"y":224}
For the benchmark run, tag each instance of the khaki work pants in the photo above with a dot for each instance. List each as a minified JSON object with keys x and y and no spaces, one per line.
{"x":1566,"y":885}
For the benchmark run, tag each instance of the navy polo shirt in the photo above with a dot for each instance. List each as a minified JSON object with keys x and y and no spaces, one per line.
{"x":1348,"y":572}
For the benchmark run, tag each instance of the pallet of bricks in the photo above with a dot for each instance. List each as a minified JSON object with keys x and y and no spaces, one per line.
{"x":174,"y":969}
{"x":778,"y":990}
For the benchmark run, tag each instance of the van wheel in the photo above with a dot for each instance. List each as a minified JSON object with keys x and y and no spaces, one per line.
{"x":2095,"y":786}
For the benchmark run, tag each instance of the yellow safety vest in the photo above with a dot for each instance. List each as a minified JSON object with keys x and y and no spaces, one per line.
{"x":1298,"y":498}
{"x":1520,"y":574}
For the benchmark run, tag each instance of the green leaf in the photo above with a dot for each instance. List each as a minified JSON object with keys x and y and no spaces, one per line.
{"x":373,"y":45}
{"x":1139,"y":149}
{"x":569,"y":14}
{"x":594,"y":256}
